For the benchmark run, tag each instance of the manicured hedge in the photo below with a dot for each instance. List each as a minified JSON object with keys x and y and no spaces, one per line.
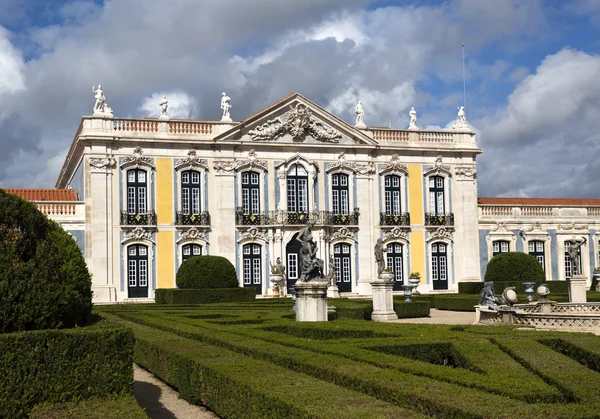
{"x":556,"y":287}
{"x":199,"y":272}
{"x":203,"y":296}
{"x":455,"y":303}
{"x":62,"y":365}
{"x":113,"y":407}
{"x":346,"y":309}
{"x":514,"y":266}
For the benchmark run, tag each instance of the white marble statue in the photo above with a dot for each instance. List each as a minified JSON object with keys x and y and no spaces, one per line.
{"x":360,"y":113}
{"x":225,"y":105}
{"x":100,"y":99}
{"x":164,"y":105}
{"x":413,"y":119}
{"x":461,"y":121}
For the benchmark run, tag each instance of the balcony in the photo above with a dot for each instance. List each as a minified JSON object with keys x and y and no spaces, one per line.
{"x":329,"y":218}
{"x":260,"y":218}
{"x":187,"y":219}
{"x":402,"y":219}
{"x":132,"y":219}
{"x":439,"y":219}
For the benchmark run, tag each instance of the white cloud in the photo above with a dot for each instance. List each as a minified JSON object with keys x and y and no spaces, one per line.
{"x":11,"y":66}
{"x":181,"y":105}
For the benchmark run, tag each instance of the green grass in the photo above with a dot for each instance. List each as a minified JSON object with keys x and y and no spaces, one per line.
{"x":116,"y":407}
{"x":251,"y":360}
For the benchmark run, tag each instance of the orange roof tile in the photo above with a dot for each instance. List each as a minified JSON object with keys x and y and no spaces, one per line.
{"x":44,"y":194}
{"x":558,"y":202}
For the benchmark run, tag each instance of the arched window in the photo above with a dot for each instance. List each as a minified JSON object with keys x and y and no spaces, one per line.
{"x":252,"y":266}
{"x":137,"y":271}
{"x":393,"y":204}
{"x":297,"y":189}
{"x":190,"y":192}
{"x":439,"y":266}
{"x":500,"y":246}
{"x":343,"y":268}
{"x":436,"y":195}
{"x":340,"y":196}
{"x":250,"y":193}
{"x":189,"y":250}
{"x":136,"y":191}
{"x":395,"y":263}
{"x":536,"y":248}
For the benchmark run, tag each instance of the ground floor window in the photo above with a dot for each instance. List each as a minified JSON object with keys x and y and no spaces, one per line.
{"x":343,"y":267}
{"x":190,"y":250}
{"x":500,"y":246}
{"x":536,"y":248}
{"x":395,"y":263}
{"x":252,"y":266}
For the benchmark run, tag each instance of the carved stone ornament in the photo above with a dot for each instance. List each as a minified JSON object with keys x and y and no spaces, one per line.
{"x":365,"y":169}
{"x":298,"y":122}
{"x":537,"y":226}
{"x":500,"y":227}
{"x":192,"y":160}
{"x":465,"y":172}
{"x":342,"y":233}
{"x":138,"y":233}
{"x":341,"y":164}
{"x":441,"y":233}
{"x":252,"y":162}
{"x":572,"y":226}
{"x":437,"y":168}
{"x":224,"y":166}
{"x":103,"y":165}
{"x":394,"y":165}
{"x":253,"y":234}
{"x":193,"y":234}
{"x":137,"y":159}
{"x":395,"y":233}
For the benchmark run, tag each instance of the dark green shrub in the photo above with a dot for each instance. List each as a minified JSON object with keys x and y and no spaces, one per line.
{"x":44,"y":281}
{"x":57,"y":366}
{"x":206,"y":272}
{"x":361,"y":310}
{"x":204,"y":296}
{"x":456,"y":303}
{"x":514,"y":266}
{"x":113,"y":407}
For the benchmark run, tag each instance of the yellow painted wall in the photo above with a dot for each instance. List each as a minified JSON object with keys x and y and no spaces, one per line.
{"x":164,"y":191}
{"x":417,"y":238}
{"x":165,"y":261}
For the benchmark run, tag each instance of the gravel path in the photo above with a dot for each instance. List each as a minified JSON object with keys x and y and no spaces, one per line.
{"x":161,"y":401}
{"x":443,"y":317}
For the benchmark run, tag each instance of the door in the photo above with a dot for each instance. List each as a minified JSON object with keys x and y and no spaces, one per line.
{"x":293,"y":263}
{"x":252,"y":267}
{"x":439,"y":266}
{"x":395,"y":263}
{"x":137,"y":271}
{"x":343,"y":267}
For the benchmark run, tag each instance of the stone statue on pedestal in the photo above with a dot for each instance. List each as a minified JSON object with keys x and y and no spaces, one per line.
{"x":164,"y":104}
{"x":487,"y":297}
{"x":100,"y":99}
{"x":225,"y":105}
{"x":379,"y":256}
{"x":461,"y":121}
{"x":278,"y":268}
{"x":574,"y":246}
{"x":360,"y":113}
{"x":413,"y":119}
{"x":311,"y":266}
{"x":331,"y":274}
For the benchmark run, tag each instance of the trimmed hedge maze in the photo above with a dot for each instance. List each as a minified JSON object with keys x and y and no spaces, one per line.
{"x":251,"y":360}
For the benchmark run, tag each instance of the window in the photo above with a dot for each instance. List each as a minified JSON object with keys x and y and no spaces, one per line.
{"x":343,"y":270}
{"x":136,"y":192}
{"x":190,"y":250}
{"x":297,"y":189}
{"x":439,"y":266}
{"x":339,"y":198}
{"x":569,"y":271}
{"x":395,"y":263}
{"x":536,"y":248}
{"x":252,"y":266}
{"x":392,"y":195}
{"x":436,"y":195}
{"x":190,"y":192}
{"x":250,"y":193}
{"x":137,"y":271}
{"x":500,"y":246}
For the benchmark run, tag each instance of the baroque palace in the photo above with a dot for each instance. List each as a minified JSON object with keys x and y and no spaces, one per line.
{"x":141,"y":195}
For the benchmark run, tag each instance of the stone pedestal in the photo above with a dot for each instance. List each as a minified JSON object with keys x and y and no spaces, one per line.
{"x":276,"y":284}
{"x":545,"y":306}
{"x":383,"y":302}
{"x":311,"y":301}
{"x":333,"y":292}
{"x":577,"y":289}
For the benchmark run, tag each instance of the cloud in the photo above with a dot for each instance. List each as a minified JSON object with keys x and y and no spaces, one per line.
{"x":11,"y":66}
{"x":181,"y":105}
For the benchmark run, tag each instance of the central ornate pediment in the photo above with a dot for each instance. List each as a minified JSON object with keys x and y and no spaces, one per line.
{"x":295,"y":120}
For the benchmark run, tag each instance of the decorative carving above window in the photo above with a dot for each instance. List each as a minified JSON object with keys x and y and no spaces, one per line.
{"x":252,"y":162}
{"x":224,"y":166}
{"x":102,"y":165}
{"x":394,"y":166}
{"x":341,"y":233}
{"x":465,"y":172}
{"x":341,"y":164}
{"x":254,"y":234}
{"x":298,"y":123}
{"x":191,"y":161}
{"x":395,"y":233}
{"x":137,"y":159}
{"x":437,"y":168}
{"x":193,"y":234}
{"x":138,"y":233}
{"x":572,"y":226}
{"x":440,"y":233}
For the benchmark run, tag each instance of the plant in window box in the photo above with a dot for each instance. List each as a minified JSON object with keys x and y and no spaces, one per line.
{"x":414,"y":280}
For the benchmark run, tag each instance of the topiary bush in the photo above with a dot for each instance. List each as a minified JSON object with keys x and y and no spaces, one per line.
{"x":206,"y":272}
{"x":44,"y":281}
{"x":514,"y":266}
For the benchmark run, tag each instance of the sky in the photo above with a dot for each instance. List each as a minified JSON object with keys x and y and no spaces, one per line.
{"x":532,"y":74}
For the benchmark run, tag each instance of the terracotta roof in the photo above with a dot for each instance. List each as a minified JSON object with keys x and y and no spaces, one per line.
{"x":558,"y":202}
{"x":45,"y":194}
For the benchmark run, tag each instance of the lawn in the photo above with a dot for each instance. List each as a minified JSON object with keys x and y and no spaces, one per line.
{"x":252,"y":360}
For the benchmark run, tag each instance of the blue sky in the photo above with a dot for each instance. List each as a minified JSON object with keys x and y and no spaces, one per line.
{"x":532,"y":74}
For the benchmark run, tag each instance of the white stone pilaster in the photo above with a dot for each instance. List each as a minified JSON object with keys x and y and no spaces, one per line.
{"x":365,"y":197}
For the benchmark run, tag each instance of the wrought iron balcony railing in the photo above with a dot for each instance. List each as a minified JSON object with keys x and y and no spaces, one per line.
{"x":296,"y":218}
{"x":132,"y":219}
{"x":187,"y":219}
{"x":439,"y":219}
{"x":260,"y":218}
{"x":402,"y":219}
{"x":329,"y":218}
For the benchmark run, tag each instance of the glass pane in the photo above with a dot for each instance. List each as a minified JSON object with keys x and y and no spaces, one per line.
{"x":247,"y":249}
{"x":142,"y":251}
{"x":302,"y":195}
{"x":247,"y":274}
{"x":254,"y":178}
{"x":291,"y":192}
{"x":439,"y":182}
{"x":395,"y":182}
{"x":142,"y":200}
{"x":131,"y":176}
{"x":132,"y":273}
{"x":343,"y":180}
{"x":143,"y":273}
{"x":398,"y":248}
{"x":301,"y":171}
{"x":186,"y":250}
{"x":387,"y":182}
{"x":346,"y":269}
{"x":245,"y":178}
{"x":255,"y":202}
{"x":345,"y":248}
{"x":531,"y":246}
{"x":256,"y":270}
{"x":334,"y":180}
{"x":539,"y":246}
{"x":196,"y":200}
{"x":197,"y":250}
{"x":185,"y":177}
{"x":132,"y":250}
{"x":195,"y":177}
{"x":292,"y":267}
{"x":141,"y":176}
{"x":256,"y":250}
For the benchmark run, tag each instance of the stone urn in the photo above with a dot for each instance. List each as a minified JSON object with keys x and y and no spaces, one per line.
{"x":386,"y":276}
{"x":415,"y":280}
{"x":276,"y":280}
{"x":596,"y":279}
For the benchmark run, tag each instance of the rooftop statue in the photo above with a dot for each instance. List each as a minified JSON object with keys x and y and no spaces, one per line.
{"x":164,"y":105}
{"x":413,"y":119}
{"x":360,"y":113}
{"x":311,"y":266}
{"x":461,"y":121}
{"x":100,"y":99}
{"x":225,"y":105}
